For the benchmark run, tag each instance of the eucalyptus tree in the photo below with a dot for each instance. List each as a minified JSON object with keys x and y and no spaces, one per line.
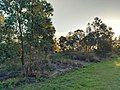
{"x":13,"y":9}
{"x":40,"y":30}
{"x":78,"y":36}
{"x":31,"y":21}
{"x":62,"y":43}
{"x":8,"y":42}
{"x":102,"y":37}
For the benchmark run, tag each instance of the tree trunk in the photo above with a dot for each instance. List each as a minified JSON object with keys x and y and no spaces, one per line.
{"x":22,"y":45}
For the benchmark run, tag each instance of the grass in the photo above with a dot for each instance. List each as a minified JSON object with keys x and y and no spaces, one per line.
{"x":100,"y":76}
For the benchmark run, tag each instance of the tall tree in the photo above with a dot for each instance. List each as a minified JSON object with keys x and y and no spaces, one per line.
{"x":31,"y":19}
{"x":13,"y":10}
{"x":102,"y":36}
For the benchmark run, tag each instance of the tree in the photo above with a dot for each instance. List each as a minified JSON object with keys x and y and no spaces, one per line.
{"x":15,"y":20}
{"x":40,"y":30}
{"x":8,"y":44}
{"x":56,"y":47}
{"x":90,"y":41}
{"x":31,"y":21}
{"x":102,"y":37}
{"x":78,"y":36}
{"x":116,"y":45}
{"x":62,"y":42}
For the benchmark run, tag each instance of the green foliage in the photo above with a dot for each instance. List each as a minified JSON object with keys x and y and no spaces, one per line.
{"x":42,"y":79}
{"x":82,"y":56}
{"x":9,"y":84}
{"x":98,"y":39}
{"x":116,"y":45}
{"x":103,"y":36}
{"x":27,"y":30}
{"x":60,"y":56}
{"x":9,"y":48}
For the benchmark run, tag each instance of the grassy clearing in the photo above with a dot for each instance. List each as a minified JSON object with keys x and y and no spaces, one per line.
{"x":100,"y":76}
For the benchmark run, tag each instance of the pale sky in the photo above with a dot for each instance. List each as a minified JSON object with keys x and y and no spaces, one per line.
{"x":70,"y":15}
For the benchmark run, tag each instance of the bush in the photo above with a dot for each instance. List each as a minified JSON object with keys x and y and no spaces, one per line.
{"x":83,"y":56}
{"x":11,"y":83}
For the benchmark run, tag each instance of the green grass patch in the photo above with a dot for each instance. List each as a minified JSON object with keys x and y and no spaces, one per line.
{"x":100,"y":76}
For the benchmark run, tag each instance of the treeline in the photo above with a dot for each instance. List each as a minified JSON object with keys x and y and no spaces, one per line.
{"x":98,"y":38}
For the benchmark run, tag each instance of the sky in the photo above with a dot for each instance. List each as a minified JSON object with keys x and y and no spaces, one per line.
{"x":70,"y":15}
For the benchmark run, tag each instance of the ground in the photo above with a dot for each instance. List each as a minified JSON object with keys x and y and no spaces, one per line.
{"x":99,"y":76}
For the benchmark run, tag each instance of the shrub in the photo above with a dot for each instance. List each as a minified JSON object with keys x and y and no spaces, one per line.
{"x":83,"y":56}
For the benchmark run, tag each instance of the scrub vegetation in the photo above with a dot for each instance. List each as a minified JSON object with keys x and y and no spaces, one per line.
{"x":32,"y":58}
